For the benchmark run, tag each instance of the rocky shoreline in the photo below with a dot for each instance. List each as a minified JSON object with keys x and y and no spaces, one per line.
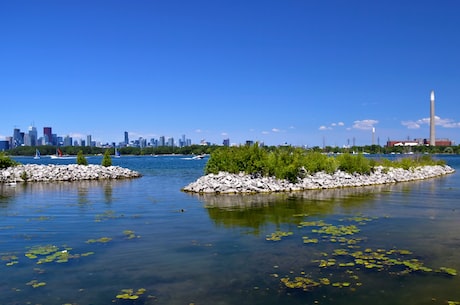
{"x":226,"y":183}
{"x":71,"y":172}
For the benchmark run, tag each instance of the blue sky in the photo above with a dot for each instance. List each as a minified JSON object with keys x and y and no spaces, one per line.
{"x":297,"y":72}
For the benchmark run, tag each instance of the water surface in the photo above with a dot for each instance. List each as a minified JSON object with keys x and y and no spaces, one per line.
{"x":183,"y":248}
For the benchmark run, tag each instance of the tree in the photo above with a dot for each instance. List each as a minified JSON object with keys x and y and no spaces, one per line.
{"x":107,"y":160}
{"x":6,"y":161}
{"x":81,"y":160}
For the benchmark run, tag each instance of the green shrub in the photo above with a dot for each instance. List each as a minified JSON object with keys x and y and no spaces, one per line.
{"x":293,"y":163}
{"x":106,"y":159}
{"x":81,"y":160}
{"x":6,"y":161}
{"x":354,"y":164}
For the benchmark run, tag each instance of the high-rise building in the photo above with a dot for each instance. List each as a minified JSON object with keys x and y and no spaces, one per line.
{"x":161,"y":141}
{"x":126,"y":138}
{"x":67,"y":141}
{"x":48,"y":135}
{"x":18,"y":138}
{"x":32,"y":136}
{"x":88,"y":140}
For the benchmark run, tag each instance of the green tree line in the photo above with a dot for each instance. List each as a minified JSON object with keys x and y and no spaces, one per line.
{"x":87,"y":150}
{"x":200,"y":149}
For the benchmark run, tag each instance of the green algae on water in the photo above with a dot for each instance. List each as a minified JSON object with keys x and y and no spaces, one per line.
{"x":99,"y":240}
{"x":276,"y":236}
{"x":130,"y":294}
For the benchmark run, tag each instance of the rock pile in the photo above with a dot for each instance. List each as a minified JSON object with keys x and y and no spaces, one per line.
{"x":71,"y":172}
{"x":242,"y":183}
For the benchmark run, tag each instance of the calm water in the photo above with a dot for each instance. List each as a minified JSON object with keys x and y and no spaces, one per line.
{"x":359,"y":245}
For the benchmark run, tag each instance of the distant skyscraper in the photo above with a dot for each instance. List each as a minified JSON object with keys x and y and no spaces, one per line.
{"x":18,"y":139}
{"x":126,"y":138}
{"x":88,"y":140}
{"x":161,"y":141}
{"x":432,"y":121}
{"x":48,"y":135}
{"x":33,"y":136}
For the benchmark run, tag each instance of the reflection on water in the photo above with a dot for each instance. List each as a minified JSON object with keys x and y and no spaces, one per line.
{"x":243,"y":201}
{"x":362,"y":245}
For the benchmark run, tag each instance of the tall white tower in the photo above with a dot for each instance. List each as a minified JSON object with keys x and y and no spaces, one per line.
{"x":432,"y":120}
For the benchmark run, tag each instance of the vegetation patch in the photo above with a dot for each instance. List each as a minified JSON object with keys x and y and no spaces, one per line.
{"x":292,"y":163}
{"x":342,"y":265}
{"x":130,"y":294}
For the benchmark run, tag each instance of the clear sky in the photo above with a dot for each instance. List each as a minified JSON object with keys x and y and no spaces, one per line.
{"x":300,"y":72}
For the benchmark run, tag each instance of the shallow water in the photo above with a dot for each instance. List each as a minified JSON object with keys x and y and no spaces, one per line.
{"x":183,"y":248}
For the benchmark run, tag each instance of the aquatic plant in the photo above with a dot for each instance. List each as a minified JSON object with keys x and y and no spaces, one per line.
{"x":130,"y":294}
{"x":344,"y":261}
{"x":129,"y":234}
{"x":449,"y":271}
{"x":109,"y":214}
{"x":51,"y":253}
{"x":276,"y":236}
{"x":36,"y":284}
{"x":99,"y":240}
{"x":10,"y":259}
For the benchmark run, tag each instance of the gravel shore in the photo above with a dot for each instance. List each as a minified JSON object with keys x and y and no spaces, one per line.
{"x":71,"y":172}
{"x":226,"y":183}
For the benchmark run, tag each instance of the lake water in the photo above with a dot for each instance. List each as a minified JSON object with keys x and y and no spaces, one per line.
{"x":89,"y":242}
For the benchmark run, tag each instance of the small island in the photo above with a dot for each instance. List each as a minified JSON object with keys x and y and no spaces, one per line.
{"x":252,"y":169}
{"x":12,"y":172}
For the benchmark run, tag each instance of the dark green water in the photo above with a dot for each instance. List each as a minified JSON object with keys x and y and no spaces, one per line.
{"x":372,"y":243}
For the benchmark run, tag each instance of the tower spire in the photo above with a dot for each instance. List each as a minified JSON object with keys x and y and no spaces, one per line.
{"x":432,"y":121}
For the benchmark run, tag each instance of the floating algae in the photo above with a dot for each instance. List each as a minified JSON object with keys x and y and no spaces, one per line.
{"x":276,"y":236}
{"x":351,"y":257}
{"x":307,"y":240}
{"x":130,"y":294}
{"x":337,"y":230}
{"x":130,"y":234}
{"x":99,"y":240}
{"x":106,"y":215}
{"x":52,"y":253}
{"x":36,"y":284}
{"x":10,"y":259}
{"x":449,"y":271}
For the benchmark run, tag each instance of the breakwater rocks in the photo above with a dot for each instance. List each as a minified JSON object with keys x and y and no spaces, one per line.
{"x":71,"y":172}
{"x":226,"y":183}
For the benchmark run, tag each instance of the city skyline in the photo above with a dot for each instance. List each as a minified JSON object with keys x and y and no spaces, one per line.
{"x":31,"y":137}
{"x":303,"y":73}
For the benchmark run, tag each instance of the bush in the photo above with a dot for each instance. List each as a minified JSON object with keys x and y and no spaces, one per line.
{"x":294,"y":163}
{"x":6,"y":161}
{"x":106,"y":160}
{"x":354,"y":164}
{"x":81,"y":160}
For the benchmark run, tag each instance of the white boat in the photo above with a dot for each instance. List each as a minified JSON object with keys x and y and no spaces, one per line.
{"x":37,"y":154}
{"x":117,"y":153}
{"x":198,"y":157}
{"x":59,"y":155}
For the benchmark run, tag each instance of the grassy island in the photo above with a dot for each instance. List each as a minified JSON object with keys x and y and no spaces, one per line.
{"x":291,"y":163}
